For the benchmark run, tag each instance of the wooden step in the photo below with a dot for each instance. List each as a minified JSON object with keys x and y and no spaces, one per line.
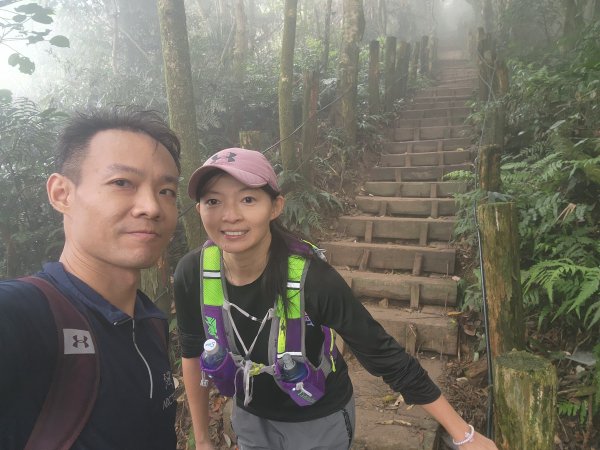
{"x":392,"y":257}
{"x":430,"y":122}
{"x":434,"y":330}
{"x":445,"y":92}
{"x":442,"y":104}
{"x":425,"y":146}
{"x":428,"y":133}
{"x":416,"y":188}
{"x":441,"y":98}
{"x":423,"y":173}
{"x":426,"y":113}
{"x":426,"y":158}
{"x":419,"y":229}
{"x":421,"y":207}
{"x":408,"y":288}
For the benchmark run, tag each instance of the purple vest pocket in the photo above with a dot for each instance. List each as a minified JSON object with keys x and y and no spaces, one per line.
{"x":223,"y":376}
{"x":306,"y":391}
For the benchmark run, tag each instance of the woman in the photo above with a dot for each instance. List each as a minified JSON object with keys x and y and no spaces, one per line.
{"x":272,"y":303}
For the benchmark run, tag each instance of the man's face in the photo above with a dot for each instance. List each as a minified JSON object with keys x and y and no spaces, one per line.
{"x":123,"y":212}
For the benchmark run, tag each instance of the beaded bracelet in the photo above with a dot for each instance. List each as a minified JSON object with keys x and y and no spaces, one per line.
{"x":468,"y":437}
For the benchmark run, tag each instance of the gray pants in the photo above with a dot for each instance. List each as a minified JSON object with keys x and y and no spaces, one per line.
{"x":333,"y":432}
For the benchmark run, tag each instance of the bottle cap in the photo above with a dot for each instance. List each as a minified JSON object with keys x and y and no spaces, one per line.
{"x":288,"y":362}
{"x":210,"y":346}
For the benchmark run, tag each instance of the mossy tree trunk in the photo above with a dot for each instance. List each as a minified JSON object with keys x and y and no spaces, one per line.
{"x":353,"y":29}
{"x":498,"y":224}
{"x":309,"y":118}
{"x":373,"y":82}
{"x":286,"y":83}
{"x":389,"y":69}
{"x":525,"y":388}
{"x":182,"y":118}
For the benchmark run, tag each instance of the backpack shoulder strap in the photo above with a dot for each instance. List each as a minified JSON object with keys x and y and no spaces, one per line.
{"x":74,"y":385}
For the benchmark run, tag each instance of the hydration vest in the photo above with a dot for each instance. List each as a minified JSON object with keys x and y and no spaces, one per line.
{"x":286,"y":335}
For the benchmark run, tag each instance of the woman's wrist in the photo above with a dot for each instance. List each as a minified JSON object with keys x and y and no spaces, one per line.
{"x":468,"y":436}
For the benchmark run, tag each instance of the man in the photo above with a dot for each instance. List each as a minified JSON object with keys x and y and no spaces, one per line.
{"x":116,"y":188}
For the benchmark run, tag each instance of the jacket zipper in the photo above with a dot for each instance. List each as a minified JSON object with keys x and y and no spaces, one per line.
{"x":143,"y":359}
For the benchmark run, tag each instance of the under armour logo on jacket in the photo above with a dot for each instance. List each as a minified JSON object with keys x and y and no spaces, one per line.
{"x":230,"y":157}
{"x":78,"y":342}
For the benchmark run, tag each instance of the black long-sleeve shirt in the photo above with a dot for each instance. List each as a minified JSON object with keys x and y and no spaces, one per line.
{"x":328,"y":301}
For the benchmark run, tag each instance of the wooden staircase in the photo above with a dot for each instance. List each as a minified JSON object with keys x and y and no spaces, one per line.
{"x":396,"y":253}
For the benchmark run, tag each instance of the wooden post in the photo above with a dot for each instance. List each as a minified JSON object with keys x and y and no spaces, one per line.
{"x":373,"y":82}
{"x":500,"y":86}
{"x":389,"y":69}
{"x":433,"y":56}
{"x":424,"y":56}
{"x":525,"y":389}
{"x":252,"y":140}
{"x":485,"y":61}
{"x":402,"y":55}
{"x":498,"y":224}
{"x":309,"y":118}
{"x":414,"y":62}
{"x":489,"y":168}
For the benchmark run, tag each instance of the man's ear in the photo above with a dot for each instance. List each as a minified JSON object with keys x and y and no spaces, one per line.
{"x":59,"y":190}
{"x":278,"y":205}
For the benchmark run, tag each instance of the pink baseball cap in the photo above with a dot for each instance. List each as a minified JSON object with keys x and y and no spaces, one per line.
{"x":247,"y":166}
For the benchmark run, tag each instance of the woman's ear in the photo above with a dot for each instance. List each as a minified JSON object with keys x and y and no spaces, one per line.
{"x":59,"y":190}
{"x":278,"y":204}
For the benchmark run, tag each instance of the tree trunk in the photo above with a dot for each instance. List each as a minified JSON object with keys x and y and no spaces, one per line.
{"x":414,"y":63}
{"x":374,"y":100}
{"x":382,"y":13}
{"x":573,"y":17}
{"x":353,"y":29}
{"x":389,"y":73}
{"x":488,"y":16}
{"x":498,"y":223}
{"x":286,"y":85}
{"x":182,"y":110}
{"x":403,"y":55}
{"x":424,"y":56}
{"x":433,"y":56}
{"x":525,"y":389}
{"x":309,"y":118}
{"x":239,"y":67}
{"x":9,"y":251}
{"x":156,"y":284}
{"x":252,"y":140}
{"x":325,"y":57}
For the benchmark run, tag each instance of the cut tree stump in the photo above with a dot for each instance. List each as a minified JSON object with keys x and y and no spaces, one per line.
{"x":525,"y":400}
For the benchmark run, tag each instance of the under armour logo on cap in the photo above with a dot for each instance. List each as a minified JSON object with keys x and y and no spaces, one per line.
{"x":78,"y":342}
{"x":230,"y":157}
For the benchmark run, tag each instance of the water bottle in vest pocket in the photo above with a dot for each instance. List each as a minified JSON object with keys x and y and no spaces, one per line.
{"x":218,"y":364}
{"x":304,"y":384}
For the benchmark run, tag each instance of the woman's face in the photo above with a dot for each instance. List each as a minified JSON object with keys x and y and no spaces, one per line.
{"x":236,"y":217}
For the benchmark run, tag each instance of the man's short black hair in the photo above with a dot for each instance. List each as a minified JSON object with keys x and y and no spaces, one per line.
{"x":74,"y":140}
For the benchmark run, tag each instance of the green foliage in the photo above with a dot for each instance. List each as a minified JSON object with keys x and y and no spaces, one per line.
{"x":30,"y":231}
{"x":571,"y":287}
{"x":16,"y":26}
{"x":305,"y":205}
